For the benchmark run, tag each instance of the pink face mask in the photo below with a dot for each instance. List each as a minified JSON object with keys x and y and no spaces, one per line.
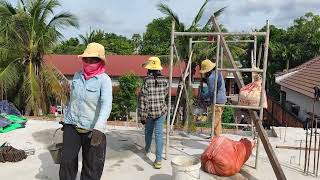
{"x":91,"y":70}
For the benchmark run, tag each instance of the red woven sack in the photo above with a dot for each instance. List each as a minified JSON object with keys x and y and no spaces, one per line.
{"x":225,"y":157}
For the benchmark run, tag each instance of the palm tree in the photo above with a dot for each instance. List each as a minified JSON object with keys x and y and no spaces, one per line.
{"x":92,"y":36}
{"x":183,"y":43}
{"x":136,"y":40}
{"x":27,"y":32}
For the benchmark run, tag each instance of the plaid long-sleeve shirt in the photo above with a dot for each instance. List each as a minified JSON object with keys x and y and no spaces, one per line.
{"x":153,"y":98}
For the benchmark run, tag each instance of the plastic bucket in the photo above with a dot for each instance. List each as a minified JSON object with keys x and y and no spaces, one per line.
{"x":55,"y":150}
{"x":185,"y":168}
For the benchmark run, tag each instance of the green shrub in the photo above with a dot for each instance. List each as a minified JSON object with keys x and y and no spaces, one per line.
{"x":228,"y":117}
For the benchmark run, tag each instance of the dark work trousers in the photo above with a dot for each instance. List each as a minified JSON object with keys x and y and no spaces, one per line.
{"x":93,"y":156}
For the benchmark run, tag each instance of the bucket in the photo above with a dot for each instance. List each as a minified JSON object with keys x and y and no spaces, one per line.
{"x":55,"y":149}
{"x":185,"y":168}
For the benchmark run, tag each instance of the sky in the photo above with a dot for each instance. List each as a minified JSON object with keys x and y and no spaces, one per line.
{"x":126,"y":17}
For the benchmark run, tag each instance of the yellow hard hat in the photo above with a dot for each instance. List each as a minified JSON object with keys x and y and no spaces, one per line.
{"x":94,"y":50}
{"x":153,"y":63}
{"x":206,"y":66}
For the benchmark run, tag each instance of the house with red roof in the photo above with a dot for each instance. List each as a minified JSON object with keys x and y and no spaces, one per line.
{"x":119,"y":65}
{"x":297,"y":88}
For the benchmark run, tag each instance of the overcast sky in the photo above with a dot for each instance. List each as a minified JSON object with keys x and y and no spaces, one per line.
{"x":126,"y":17}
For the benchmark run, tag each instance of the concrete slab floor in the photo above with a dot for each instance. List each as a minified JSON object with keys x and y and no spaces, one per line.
{"x":126,"y":159}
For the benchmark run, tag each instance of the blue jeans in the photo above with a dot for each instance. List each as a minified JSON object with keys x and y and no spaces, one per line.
{"x":156,"y":124}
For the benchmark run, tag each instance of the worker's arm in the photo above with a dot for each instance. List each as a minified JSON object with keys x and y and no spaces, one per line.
{"x":106,"y":104}
{"x":209,"y":94}
{"x":143,"y":108}
{"x":211,"y":86}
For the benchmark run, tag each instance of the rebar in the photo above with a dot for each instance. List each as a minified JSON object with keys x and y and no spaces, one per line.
{"x":285,"y":132}
{"x":315,"y":139}
{"x":306,"y":148}
{"x":318,"y":159}
{"x":300,"y":152}
{"x":310,"y":141}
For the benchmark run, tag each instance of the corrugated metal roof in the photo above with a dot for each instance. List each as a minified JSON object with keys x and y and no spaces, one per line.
{"x":305,"y":79}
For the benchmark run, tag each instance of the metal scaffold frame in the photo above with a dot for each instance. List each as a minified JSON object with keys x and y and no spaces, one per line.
{"x":225,"y":51}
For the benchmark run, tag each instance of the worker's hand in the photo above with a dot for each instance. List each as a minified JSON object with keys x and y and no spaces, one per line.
{"x":62,"y":123}
{"x":141,"y":120}
{"x":96,"y":137}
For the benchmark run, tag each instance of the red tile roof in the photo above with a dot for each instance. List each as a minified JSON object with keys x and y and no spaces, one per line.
{"x":306,"y":77}
{"x":297,"y":67}
{"x":117,"y":65}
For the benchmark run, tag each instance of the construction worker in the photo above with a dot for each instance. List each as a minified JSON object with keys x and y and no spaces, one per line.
{"x":153,"y":106}
{"x":208,"y":72}
{"x":85,"y":118}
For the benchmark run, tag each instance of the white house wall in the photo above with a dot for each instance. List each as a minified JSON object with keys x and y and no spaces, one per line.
{"x":305,"y":103}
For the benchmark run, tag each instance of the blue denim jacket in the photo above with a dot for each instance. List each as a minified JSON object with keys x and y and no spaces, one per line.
{"x":221,"y":89}
{"x":90,"y":102}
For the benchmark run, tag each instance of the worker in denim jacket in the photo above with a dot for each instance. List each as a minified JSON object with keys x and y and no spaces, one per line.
{"x":208,"y":72}
{"x":85,"y":117}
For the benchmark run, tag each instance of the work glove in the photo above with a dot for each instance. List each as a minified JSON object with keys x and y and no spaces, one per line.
{"x":96,"y":137}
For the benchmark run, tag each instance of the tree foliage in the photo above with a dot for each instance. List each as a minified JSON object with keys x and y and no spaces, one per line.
{"x":70,"y":46}
{"x":290,"y":47}
{"x":182,"y":45}
{"x":27,"y":32}
{"x":156,"y":39}
{"x":137,"y":43}
{"x":227,"y":117}
{"x":114,"y":44}
{"x":125,"y":97}
{"x":183,"y":42}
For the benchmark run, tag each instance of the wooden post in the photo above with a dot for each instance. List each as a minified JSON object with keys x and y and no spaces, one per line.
{"x":259,"y":56}
{"x":252,"y":65}
{"x":183,"y":87}
{"x":228,"y":54}
{"x":258,"y":124}
{"x":188,"y":70}
{"x":213,"y":109}
{"x":190,"y":65}
{"x":255,"y":51}
{"x":170,"y":84}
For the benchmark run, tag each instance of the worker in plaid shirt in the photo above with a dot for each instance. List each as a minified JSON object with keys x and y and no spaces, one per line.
{"x":153,"y":106}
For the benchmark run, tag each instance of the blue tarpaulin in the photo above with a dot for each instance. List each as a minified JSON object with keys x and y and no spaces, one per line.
{"x":4,"y":122}
{"x":8,"y":108}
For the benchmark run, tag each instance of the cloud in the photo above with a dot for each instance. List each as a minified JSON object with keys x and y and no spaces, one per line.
{"x":129,"y":17}
{"x":253,"y":13}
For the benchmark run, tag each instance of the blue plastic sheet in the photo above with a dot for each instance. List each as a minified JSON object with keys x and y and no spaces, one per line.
{"x":4,"y":122}
{"x":8,"y":108}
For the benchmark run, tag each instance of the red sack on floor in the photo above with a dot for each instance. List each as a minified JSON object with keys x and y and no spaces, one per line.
{"x":225,"y":157}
